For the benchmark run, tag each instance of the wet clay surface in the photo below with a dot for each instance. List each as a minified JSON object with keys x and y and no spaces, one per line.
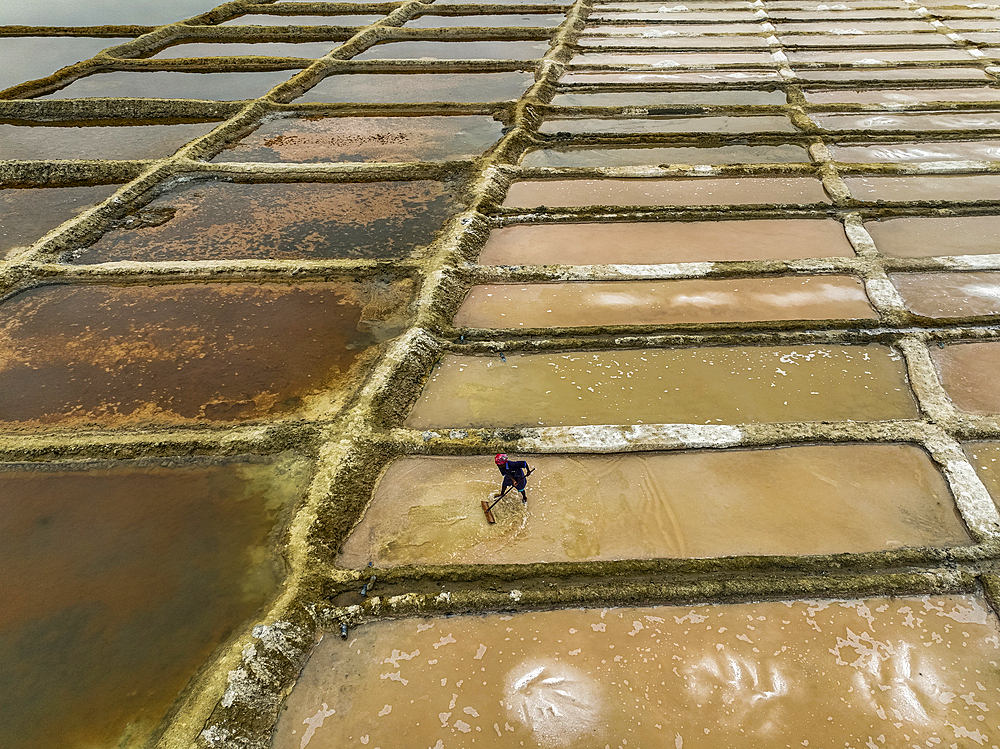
{"x":375,"y":88}
{"x":917,"y":152}
{"x":949,"y":294}
{"x":639,"y":156}
{"x":760,"y":675}
{"x":929,"y":236}
{"x":801,"y":500}
{"x":662,"y":386}
{"x":664,"y":302}
{"x":670,"y":125}
{"x":145,"y":142}
{"x":434,"y":50}
{"x":968,"y":372}
{"x":30,"y":57}
{"x":173,"y":85}
{"x":985,"y":456}
{"x":27,"y":215}
{"x":668,"y":242}
{"x":936,"y":187}
{"x":214,"y":220}
{"x":642,"y":192}
{"x":180,"y":353}
{"x":315,"y":139}
{"x":127,"y":578}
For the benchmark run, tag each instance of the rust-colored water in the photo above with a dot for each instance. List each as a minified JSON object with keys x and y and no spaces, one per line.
{"x":321,"y":139}
{"x":968,"y":372}
{"x":643,"y":192}
{"x":950,"y":294}
{"x":26,"y":215}
{"x":923,"y":236}
{"x":654,"y":386}
{"x":663,"y":302}
{"x":122,"y":580}
{"x":183,"y":353}
{"x":208,"y":220}
{"x":667,"y":242}
{"x":799,"y":500}
{"x":889,"y":672}
{"x":48,"y":142}
{"x":389,"y":88}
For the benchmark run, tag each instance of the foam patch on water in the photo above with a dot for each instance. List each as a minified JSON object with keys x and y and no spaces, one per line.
{"x":558,"y":703}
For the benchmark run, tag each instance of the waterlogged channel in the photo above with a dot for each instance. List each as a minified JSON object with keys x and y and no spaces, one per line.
{"x":126,"y":577}
{"x":662,"y":386}
{"x":813,"y":673}
{"x":664,"y":302}
{"x":796,"y":500}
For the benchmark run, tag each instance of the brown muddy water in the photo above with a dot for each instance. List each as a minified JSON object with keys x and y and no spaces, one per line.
{"x":663,"y":386}
{"x":667,"y":98}
{"x":812,"y":673}
{"x":26,"y":215}
{"x":919,"y":151}
{"x":910,"y":121}
{"x":985,"y":456}
{"x":585,"y":303}
{"x":932,"y":187}
{"x":322,"y":139}
{"x":430,"y":21}
{"x":207,"y":220}
{"x":27,"y":58}
{"x":262,"y":49}
{"x":900,"y":95}
{"x":174,"y":85}
{"x":923,"y":236}
{"x":667,"y":242}
{"x":187,"y":352}
{"x":435,"y":50}
{"x":687,"y":124}
{"x":642,"y":155}
{"x":949,"y":294}
{"x":128,"y":576}
{"x":647,"y":192}
{"x":73,"y":142}
{"x":392,"y":88}
{"x":968,"y":372}
{"x":798,"y":500}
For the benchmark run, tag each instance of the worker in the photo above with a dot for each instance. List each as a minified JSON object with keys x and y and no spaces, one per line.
{"x":515,"y":474}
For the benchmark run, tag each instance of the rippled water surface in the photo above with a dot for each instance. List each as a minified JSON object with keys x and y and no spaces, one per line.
{"x":696,"y":385}
{"x":801,"y":500}
{"x":806,"y":673}
{"x":128,"y":577}
{"x":667,"y":242}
